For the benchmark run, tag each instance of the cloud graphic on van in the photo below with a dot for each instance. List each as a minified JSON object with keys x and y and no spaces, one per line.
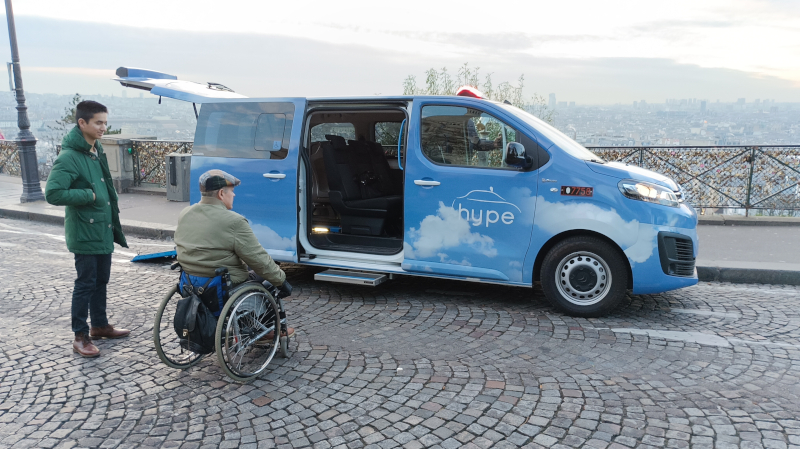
{"x":444,"y":258}
{"x":442,"y":231}
{"x":645,"y":245}
{"x":638,"y":239}
{"x":270,"y":239}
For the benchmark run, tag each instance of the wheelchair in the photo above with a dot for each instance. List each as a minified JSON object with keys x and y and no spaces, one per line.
{"x":247,"y":335}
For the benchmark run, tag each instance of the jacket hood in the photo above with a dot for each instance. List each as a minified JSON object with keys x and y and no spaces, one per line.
{"x":625,"y":171}
{"x":74,"y":140}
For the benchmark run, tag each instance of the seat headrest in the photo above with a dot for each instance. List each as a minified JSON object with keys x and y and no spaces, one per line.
{"x":338,"y":142}
{"x":357,"y":145}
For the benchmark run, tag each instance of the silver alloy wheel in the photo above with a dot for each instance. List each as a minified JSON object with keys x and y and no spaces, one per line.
{"x":583,"y":278}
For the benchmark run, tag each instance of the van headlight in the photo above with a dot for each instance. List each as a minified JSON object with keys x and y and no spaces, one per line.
{"x":645,"y":191}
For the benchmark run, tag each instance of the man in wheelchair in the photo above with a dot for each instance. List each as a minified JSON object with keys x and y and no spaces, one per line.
{"x":210,"y":236}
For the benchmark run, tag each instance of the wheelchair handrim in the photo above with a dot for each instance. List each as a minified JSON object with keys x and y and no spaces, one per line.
{"x":243,"y":330}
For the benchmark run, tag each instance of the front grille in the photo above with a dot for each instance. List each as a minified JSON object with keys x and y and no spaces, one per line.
{"x":676,"y":252}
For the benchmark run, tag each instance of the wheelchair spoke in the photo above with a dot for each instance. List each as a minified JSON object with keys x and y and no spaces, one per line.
{"x":168,"y":344}
{"x":251,"y":318}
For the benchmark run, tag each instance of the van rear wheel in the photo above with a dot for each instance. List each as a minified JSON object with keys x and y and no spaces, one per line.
{"x":584,"y":276}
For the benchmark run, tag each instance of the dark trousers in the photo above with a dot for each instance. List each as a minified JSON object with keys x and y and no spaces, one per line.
{"x":89,"y":295}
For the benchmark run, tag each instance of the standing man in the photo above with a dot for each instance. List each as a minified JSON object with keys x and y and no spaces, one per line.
{"x":81,"y":181}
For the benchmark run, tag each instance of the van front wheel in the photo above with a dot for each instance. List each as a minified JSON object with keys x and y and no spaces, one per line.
{"x":584,"y":276}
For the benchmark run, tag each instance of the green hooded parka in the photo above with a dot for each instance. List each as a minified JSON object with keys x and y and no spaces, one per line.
{"x":91,"y":226}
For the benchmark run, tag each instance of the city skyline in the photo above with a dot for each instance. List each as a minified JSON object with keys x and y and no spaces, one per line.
{"x":682,"y":122}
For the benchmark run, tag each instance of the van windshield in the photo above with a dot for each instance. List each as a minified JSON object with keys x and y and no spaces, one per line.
{"x":557,"y":137}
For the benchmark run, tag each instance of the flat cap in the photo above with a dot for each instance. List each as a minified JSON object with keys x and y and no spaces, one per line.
{"x":217,"y":179}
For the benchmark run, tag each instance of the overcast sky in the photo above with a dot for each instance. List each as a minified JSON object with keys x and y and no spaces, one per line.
{"x":585,"y":51}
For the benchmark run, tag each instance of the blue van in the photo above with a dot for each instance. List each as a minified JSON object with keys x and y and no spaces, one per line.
{"x":454,"y":187}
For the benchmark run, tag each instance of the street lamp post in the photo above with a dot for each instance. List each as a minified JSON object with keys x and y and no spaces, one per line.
{"x":26,"y":142}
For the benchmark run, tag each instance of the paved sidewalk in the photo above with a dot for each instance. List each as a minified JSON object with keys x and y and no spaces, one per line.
{"x":414,"y":363}
{"x":732,"y":248}
{"x":142,"y":215}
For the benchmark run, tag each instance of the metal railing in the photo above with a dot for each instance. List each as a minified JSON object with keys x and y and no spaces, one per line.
{"x":761,"y":177}
{"x":753,"y":177}
{"x":9,"y":159}
{"x":149,"y":164}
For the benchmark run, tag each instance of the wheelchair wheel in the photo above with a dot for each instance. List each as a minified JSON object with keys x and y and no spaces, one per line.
{"x":166,"y":340}
{"x":242,"y":347}
{"x":285,"y":347}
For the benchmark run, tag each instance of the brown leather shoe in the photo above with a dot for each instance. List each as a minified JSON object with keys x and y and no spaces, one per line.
{"x":108,"y":331}
{"x":83,"y":345}
{"x":288,"y":332}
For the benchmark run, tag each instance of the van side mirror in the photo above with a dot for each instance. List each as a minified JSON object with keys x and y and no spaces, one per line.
{"x":516,"y":156}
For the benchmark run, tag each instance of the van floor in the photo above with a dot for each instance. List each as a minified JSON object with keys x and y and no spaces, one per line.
{"x":357,"y":243}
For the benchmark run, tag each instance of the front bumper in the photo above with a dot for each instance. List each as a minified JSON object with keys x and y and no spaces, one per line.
{"x":671,"y":262}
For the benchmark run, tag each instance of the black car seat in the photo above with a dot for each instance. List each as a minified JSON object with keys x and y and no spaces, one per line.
{"x":319,"y":190}
{"x":373,"y":154}
{"x":363,"y":211}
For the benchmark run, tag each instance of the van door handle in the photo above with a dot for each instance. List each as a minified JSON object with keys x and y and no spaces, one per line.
{"x":422,"y":182}
{"x":275,"y":175}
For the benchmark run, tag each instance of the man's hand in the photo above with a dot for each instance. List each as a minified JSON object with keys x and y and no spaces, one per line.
{"x":94,"y":197}
{"x":286,"y":288}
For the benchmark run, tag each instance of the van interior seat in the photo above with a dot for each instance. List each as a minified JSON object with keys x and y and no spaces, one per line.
{"x":371,"y":153}
{"x":319,"y":192}
{"x":354,"y":190}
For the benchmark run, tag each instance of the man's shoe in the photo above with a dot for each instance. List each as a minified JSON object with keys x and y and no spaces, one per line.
{"x":108,"y":331}
{"x":267,"y":339}
{"x":288,"y":332}
{"x":83,"y":345}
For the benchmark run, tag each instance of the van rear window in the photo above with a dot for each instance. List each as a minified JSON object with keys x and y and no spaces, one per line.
{"x":346,"y":130}
{"x":244,"y":130}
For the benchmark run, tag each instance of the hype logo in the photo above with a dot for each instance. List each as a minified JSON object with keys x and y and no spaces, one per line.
{"x":481,"y":206}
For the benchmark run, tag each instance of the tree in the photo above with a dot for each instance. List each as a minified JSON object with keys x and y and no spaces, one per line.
{"x":441,"y":83}
{"x":68,"y":121}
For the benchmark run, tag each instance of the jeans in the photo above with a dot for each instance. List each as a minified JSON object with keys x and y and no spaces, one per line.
{"x":89,"y":295}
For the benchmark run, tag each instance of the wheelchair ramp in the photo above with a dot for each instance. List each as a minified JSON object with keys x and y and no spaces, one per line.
{"x":351,"y":277}
{"x":156,"y":257}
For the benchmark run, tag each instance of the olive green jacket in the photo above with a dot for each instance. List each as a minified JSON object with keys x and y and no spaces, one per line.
{"x":91,"y":226}
{"x":210,"y":236}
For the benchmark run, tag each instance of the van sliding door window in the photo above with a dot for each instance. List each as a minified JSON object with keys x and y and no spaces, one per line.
{"x":455,"y":135}
{"x":244,"y":130}
{"x":346,"y":130}
{"x":387,"y":134}
{"x":270,"y":132}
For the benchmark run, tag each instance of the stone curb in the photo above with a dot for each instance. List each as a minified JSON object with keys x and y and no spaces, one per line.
{"x":129,"y":227}
{"x":748,"y":276}
{"x":159,"y":231}
{"x":739,"y":220}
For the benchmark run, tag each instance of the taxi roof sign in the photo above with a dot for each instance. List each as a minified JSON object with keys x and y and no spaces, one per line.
{"x":469,"y":91}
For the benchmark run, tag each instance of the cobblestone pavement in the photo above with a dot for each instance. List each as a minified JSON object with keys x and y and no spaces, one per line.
{"x":412,"y":363}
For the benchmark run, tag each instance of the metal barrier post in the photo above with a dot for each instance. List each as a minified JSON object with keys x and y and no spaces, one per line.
{"x":750,"y":182}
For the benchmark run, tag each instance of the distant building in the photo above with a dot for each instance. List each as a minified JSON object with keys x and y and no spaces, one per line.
{"x":703,"y":106}
{"x":552,"y":102}
{"x":740,"y":101}
{"x":572,"y":104}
